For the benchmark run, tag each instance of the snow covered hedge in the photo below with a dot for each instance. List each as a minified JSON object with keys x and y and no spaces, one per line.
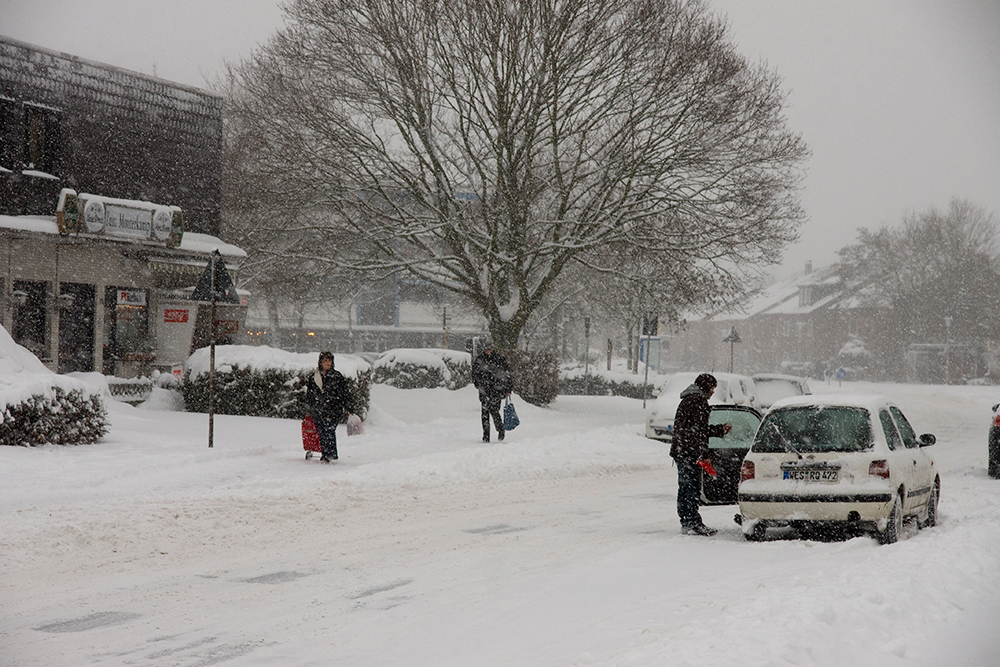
{"x":428,"y":368}
{"x":265,"y":381}
{"x":38,"y":407}
{"x":602,"y":382}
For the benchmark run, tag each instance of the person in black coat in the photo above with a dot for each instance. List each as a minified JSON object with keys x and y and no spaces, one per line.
{"x":491,"y":376}
{"x":328,"y":400}
{"x":689,"y":445}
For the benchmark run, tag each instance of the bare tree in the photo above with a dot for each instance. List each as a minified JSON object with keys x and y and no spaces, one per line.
{"x":484,"y":145}
{"x":934,"y":266}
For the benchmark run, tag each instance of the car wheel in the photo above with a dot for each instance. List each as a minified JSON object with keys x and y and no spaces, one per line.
{"x":930,"y":516}
{"x":895,"y":525}
{"x":757,"y":533}
{"x":994,"y":461}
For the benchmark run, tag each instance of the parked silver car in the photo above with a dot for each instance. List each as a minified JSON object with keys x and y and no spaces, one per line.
{"x":771,"y":387}
{"x":732,"y":390}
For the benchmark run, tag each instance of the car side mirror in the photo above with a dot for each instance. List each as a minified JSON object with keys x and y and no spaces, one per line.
{"x":927,"y":439}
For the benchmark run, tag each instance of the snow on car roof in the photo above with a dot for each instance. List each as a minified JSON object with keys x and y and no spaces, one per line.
{"x":871,"y":402}
{"x":777,"y":376}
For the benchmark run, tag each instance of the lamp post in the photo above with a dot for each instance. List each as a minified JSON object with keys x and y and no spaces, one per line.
{"x":947,"y":350}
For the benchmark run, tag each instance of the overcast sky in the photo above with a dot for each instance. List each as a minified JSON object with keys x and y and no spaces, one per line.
{"x":899,"y":100}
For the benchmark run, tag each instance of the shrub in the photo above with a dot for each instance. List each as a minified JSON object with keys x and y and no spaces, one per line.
{"x":536,"y":375}
{"x":240,"y":390}
{"x":66,"y":418}
{"x":410,"y":368}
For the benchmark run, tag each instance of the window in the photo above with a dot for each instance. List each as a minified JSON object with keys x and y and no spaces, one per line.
{"x":29,"y":326}
{"x":814,"y":429}
{"x":905,"y":430}
{"x":10,"y":134}
{"x":891,"y":434}
{"x":41,"y":139}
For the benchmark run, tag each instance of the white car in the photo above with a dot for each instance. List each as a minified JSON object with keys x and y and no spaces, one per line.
{"x":732,"y":390}
{"x":771,"y":387}
{"x":835,"y":461}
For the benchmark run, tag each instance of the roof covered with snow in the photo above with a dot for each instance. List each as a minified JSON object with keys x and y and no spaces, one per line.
{"x":191,"y":242}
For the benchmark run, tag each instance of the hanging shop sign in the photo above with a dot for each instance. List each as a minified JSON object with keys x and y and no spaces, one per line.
{"x":131,"y":297}
{"x":120,"y":218}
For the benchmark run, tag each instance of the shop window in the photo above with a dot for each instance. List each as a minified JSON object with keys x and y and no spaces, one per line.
{"x":126,"y":327}
{"x":29,"y":322}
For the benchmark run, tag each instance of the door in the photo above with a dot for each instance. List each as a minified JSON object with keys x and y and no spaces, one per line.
{"x":923,"y":467}
{"x":76,"y":328}
{"x":728,"y":452}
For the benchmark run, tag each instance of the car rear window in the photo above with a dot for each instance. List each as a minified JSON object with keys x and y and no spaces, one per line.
{"x":769,"y":391}
{"x":814,"y":429}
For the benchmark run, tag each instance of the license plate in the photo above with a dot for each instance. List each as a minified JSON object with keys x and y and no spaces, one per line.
{"x":811,"y":475}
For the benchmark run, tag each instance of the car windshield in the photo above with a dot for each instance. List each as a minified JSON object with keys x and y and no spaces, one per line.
{"x":771,"y":390}
{"x":814,"y":429}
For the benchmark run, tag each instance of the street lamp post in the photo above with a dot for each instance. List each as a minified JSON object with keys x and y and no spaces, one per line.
{"x":947,"y":350}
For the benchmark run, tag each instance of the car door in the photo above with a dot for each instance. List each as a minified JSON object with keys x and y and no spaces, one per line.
{"x":923,"y":465}
{"x":728,"y":452}
{"x":901,"y":463}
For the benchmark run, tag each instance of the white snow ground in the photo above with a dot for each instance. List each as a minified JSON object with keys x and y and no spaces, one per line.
{"x":425,"y":546}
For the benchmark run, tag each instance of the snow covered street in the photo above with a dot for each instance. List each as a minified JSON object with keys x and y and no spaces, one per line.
{"x":425,"y":546}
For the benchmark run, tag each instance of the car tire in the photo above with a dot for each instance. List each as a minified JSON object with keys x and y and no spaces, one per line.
{"x":894,"y":527}
{"x":757,"y":533}
{"x":930,"y":514}
{"x":994,"y":460}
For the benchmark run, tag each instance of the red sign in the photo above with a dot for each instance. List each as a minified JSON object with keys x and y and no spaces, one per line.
{"x":175,"y":315}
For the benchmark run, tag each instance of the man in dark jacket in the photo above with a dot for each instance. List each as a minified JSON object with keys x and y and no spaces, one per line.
{"x":690,"y":445}
{"x":328,"y":400}
{"x":491,"y":376}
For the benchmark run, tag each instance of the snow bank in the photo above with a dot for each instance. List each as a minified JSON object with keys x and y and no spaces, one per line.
{"x":23,"y":375}
{"x":260,"y":358}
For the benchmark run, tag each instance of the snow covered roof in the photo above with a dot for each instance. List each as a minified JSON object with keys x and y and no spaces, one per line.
{"x":191,"y":242}
{"x":822,"y":286}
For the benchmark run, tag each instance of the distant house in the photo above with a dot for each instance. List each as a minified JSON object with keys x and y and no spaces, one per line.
{"x":808,"y":324}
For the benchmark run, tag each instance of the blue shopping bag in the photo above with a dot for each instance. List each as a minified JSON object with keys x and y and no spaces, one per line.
{"x":510,"y":420}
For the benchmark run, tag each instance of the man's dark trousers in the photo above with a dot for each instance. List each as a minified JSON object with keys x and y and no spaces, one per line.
{"x":688,"y":493}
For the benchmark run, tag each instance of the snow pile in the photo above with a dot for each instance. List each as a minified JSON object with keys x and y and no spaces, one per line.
{"x":23,"y":375}
{"x":261,"y":358}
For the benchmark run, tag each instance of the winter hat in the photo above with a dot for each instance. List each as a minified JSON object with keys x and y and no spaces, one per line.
{"x":488,"y":343}
{"x":706,"y":382}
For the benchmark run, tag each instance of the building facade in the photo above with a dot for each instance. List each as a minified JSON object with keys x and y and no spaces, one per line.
{"x":66,"y":122}
{"x":132,"y":166}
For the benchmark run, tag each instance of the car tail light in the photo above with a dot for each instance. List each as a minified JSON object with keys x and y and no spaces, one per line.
{"x":747,"y":471}
{"x":879,"y":469}
{"x":996,"y":420}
